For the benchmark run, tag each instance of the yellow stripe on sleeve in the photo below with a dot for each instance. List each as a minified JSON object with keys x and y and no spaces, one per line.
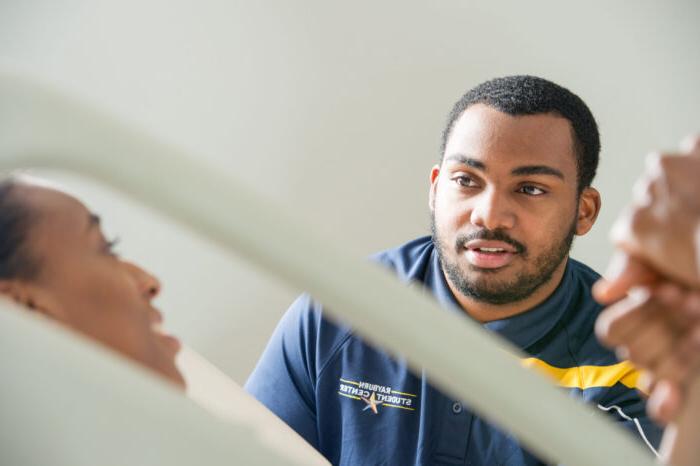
{"x":588,"y":376}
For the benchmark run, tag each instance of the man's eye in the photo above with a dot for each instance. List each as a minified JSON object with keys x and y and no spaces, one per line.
{"x":531,"y":190}
{"x":465,"y":181}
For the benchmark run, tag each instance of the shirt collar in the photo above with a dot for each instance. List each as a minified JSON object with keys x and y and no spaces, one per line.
{"x":522,"y":330}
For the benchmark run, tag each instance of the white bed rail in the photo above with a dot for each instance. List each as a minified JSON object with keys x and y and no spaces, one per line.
{"x":40,"y":127}
{"x":67,"y":401}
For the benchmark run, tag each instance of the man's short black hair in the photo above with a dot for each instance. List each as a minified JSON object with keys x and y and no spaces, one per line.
{"x":15,"y":221}
{"x":529,"y":95}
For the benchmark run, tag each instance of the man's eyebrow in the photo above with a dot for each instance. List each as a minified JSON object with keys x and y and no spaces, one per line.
{"x":520,"y":171}
{"x":537,"y":170}
{"x":461,"y":158}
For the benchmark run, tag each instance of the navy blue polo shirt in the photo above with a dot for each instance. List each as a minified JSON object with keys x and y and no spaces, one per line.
{"x":358,"y":405}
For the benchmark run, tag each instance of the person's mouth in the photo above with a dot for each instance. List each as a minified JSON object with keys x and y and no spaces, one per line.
{"x":489,"y":254}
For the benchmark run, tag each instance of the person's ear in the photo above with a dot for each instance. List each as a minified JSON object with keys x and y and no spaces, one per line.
{"x":29,"y":296}
{"x":588,"y":210}
{"x":434,"y":175}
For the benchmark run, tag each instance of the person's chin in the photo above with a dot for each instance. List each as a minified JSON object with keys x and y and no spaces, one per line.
{"x":501,"y":272}
{"x":170,"y":342}
{"x":169,"y":370}
{"x":168,"y":347}
{"x":177,"y":378}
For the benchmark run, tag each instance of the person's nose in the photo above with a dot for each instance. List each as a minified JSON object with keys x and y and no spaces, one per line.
{"x":492,"y":210}
{"x":148,"y":284}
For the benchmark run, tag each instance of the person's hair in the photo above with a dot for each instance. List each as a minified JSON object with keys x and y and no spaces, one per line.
{"x":15,"y":221}
{"x":530,"y":95}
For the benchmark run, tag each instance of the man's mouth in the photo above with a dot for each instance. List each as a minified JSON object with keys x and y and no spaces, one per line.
{"x":489,"y":254}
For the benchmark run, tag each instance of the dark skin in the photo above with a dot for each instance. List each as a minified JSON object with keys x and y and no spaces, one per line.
{"x":653,"y":289}
{"x":84,"y":285}
{"x":513,"y":173}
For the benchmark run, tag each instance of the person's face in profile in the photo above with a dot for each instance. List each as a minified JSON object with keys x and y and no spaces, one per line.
{"x":82,"y":283}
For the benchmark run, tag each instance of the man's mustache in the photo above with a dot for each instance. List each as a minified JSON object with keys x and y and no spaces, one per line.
{"x":493,"y":235}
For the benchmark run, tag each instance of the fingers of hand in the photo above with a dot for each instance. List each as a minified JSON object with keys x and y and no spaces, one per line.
{"x":669,"y":294}
{"x":682,"y":303}
{"x":691,"y":304}
{"x":691,"y":145}
{"x":620,"y":323}
{"x":646,"y":383}
{"x":624,"y":272}
{"x":665,"y":401}
{"x":682,"y":363}
{"x":653,"y":329}
{"x":652,"y":342}
{"x":659,"y":227}
{"x":670,"y":180}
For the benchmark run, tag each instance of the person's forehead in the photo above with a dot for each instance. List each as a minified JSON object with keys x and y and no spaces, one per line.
{"x":483,"y":131}
{"x":54,"y":208}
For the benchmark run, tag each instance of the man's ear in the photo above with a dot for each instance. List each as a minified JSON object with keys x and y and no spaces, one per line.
{"x":29,"y":296}
{"x":588,"y":210}
{"x":433,"y":186}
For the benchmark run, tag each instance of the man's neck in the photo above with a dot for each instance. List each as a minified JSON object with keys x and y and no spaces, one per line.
{"x":486,"y":312}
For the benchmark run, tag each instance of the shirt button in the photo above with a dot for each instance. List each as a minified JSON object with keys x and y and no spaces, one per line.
{"x":456,"y":407}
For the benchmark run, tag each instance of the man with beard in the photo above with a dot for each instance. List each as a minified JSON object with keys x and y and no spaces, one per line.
{"x":512,"y":189}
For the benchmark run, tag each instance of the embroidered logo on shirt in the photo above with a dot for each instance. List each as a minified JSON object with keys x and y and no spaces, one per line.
{"x":374,"y":395}
{"x":372,"y":403}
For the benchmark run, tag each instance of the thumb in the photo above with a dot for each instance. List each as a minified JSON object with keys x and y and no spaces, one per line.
{"x":623,"y":273}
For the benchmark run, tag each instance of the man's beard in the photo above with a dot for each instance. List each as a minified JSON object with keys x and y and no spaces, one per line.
{"x":491,"y":291}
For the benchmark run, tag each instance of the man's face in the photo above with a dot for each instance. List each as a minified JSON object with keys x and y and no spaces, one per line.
{"x":505,"y":205}
{"x":83,"y":284}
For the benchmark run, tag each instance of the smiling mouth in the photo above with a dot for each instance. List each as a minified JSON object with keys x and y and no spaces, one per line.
{"x":489,"y":258}
{"x":486,"y":254}
{"x":490,"y":250}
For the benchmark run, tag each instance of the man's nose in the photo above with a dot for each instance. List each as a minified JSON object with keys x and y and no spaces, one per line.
{"x":148,"y":284}
{"x":492,"y":210}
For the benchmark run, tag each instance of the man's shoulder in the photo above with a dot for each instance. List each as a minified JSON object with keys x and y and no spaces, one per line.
{"x":308,"y":321}
{"x":580,"y":319}
{"x":410,"y":260}
{"x":306,"y":318}
{"x":583,"y":272}
{"x":582,"y":280}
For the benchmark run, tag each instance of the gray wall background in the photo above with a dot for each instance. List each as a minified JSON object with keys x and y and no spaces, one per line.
{"x":334,"y":110}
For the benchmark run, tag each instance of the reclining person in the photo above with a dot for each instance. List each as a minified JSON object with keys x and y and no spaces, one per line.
{"x":55,"y":260}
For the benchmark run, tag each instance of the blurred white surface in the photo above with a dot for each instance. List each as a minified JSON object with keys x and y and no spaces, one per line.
{"x":71,"y":134}
{"x":335,"y":111}
{"x":217,"y":393}
{"x":69,"y":402}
